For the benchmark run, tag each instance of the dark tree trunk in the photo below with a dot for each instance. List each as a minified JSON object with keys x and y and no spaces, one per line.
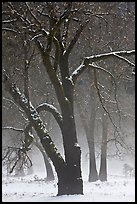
{"x":103,"y":163}
{"x":70,"y":179}
{"x":68,"y":172}
{"x":69,"y":175}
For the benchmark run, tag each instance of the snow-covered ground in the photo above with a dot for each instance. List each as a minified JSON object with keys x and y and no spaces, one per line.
{"x":34,"y":189}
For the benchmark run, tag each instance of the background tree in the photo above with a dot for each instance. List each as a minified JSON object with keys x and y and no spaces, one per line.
{"x":109,"y":90}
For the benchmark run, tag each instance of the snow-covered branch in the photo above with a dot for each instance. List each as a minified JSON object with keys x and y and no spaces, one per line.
{"x":77,"y":73}
{"x":9,"y":21}
{"x":12,"y":128}
{"x":50,"y":108}
{"x":117,"y":54}
{"x":89,"y":62}
{"x":10,"y":30}
{"x":95,"y":66}
{"x":35,"y":120}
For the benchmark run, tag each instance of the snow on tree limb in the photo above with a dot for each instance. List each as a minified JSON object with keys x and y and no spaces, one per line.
{"x":12,"y":128}
{"x":50,"y":108}
{"x":77,"y":73}
{"x":95,"y":58}
{"x":98,"y":57}
{"x":26,"y":131}
{"x":10,"y":30}
{"x":35,"y":120}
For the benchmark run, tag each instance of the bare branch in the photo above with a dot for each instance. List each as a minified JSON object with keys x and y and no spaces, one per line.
{"x":32,"y":14}
{"x":9,"y":21}
{"x":76,"y":37}
{"x":10,"y":30}
{"x":15,"y":158}
{"x":77,"y":73}
{"x":20,"y":110}
{"x":52,"y":75}
{"x":121,"y":143}
{"x":94,"y":58}
{"x":65,"y":31}
{"x":35,"y":36}
{"x":12,"y":128}
{"x":95,"y":66}
{"x":56,"y":23}
{"x":116,"y":128}
{"x":98,"y":90}
{"x":126,"y":60}
{"x":18,"y":15}
{"x":99,"y":57}
{"x":11,"y":101}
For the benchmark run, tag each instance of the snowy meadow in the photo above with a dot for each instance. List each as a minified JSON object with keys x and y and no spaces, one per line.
{"x":32,"y":189}
{"x":35,"y":188}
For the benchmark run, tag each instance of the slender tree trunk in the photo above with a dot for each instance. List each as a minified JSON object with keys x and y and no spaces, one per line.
{"x":89,"y":130}
{"x":93,"y":174}
{"x":103,"y":163}
{"x":50,"y":174}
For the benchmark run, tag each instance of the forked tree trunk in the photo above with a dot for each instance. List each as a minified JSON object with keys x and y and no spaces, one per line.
{"x":69,"y":178}
{"x":69,"y":172}
{"x":103,"y":163}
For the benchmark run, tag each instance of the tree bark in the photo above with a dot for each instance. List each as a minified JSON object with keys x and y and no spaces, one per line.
{"x":70,"y":182}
